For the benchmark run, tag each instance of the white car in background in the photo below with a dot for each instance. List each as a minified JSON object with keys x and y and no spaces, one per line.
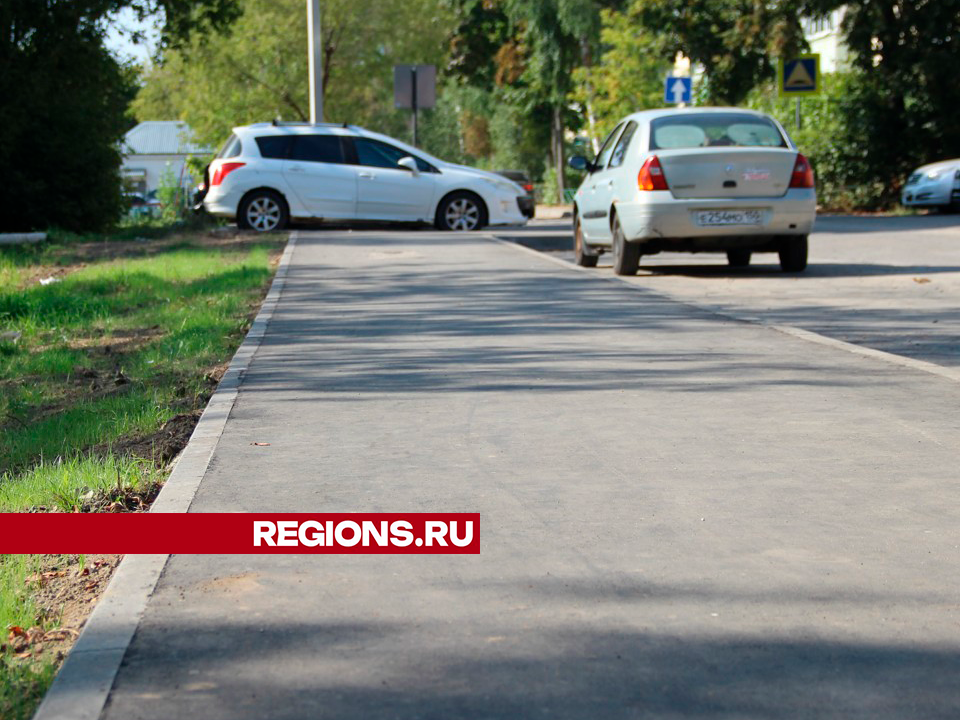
{"x":268,"y":174}
{"x":934,"y":186}
{"x":695,"y":180}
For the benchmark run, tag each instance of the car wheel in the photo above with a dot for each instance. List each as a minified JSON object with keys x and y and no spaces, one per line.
{"x":793,"y":254}
{"x":626,"y":255}
{"x":738,"y":258}
{"x":462,"y":212}
{"x":583,"y":254}
{"x":263,"y":211}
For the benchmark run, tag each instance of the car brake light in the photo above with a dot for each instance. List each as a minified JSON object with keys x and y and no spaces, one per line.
{"x":651,"y":175}
{"x":802,"y":173}
{"x":528,"y":187}
{"x":223,"y":170}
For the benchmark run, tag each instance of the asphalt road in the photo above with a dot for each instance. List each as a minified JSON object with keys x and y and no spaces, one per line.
{"x":683,"y":516}
{"x":890,"y":283}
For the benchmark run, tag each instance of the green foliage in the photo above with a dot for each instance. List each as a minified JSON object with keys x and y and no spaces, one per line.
{"x":172,"y":197}
{"x":65,"y":103}
{"x":244,"y":75}
{"x":903,"y":101}
{"x":628,"y":76}
{"x":188,"y":307}
{"x":734,"y":40}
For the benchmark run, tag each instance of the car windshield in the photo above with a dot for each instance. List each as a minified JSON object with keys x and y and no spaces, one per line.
{"x":714,"y":130}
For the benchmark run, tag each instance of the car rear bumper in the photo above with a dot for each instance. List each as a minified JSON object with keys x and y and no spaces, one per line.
{"x":661,"y":217}
{"x":222,"y":203}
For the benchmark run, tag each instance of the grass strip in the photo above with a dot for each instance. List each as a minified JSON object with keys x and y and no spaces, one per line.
{"x":103,"y":369}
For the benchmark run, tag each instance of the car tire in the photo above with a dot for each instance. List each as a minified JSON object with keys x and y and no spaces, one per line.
{"x":584,"y":256}
{"x":263,"y":211}
{"x":626,"y":255}
{"x":738,"y":258}
{"x":793,"y":254}
{"x":461,"y":212}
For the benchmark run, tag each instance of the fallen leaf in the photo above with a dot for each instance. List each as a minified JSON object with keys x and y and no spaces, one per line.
{"x":23,"y":655}
{"x":81,"y":572}
{"x":16,"y":630}
{"x":260,"y":444}
{"x":921,"y":280}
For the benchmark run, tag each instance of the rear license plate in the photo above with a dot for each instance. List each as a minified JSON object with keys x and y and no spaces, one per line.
{"x":729,"y":217}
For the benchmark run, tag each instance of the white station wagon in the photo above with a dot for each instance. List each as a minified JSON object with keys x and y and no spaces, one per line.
{"x":695,"y":180}
{"x":269,"y":173}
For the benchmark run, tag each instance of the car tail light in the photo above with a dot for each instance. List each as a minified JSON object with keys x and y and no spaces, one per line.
{"x":528,"y":187}
{"x":802,"y":173}
{"x":651,"y":175}
{"x":223,"y":170}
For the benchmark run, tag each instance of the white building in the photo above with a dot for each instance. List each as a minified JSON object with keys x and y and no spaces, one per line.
{"x":825,"y":38}
{"x":154,"y":147}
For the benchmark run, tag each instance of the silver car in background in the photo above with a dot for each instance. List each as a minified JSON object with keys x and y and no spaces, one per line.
{"x":695,"y":180}
{"x":934,"y":186}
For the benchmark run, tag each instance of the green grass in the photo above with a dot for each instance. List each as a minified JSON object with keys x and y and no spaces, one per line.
{"x":115,"y":349}
{"x":21,"y":685}
{"x":184,"y":310}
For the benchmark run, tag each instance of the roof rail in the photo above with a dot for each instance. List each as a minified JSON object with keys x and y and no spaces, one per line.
{"x":276,"y":122}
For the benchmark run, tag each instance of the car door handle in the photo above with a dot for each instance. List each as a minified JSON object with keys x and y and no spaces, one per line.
{"x":295,"y":168}
{"x":366,"y":175}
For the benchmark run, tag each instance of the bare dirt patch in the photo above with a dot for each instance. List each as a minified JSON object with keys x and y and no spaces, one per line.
{"x":162,"y":446}
{"x":65,"y":590}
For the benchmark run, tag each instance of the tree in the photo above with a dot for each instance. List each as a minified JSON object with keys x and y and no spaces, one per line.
{"x":65,"y":99}
{"x":900,"y":110}
{"x":243,"y":74}
{"x":628,"y":76}
{"x":735,"y":41}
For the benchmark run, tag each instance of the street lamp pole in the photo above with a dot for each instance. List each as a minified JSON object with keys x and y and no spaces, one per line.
{"x":315,"y":54}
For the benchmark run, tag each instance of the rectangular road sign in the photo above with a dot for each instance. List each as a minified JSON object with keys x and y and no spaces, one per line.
{"x":677,"y":90}
{"x":799,"y":76}
{"x":408,"y":77}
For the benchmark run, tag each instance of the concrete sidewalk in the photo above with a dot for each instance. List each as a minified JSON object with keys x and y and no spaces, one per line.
{"x":682,"y":516}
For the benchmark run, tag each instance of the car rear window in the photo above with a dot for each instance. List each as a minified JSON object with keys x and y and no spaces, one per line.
{"x":317,"y":148}
{"x":714,"y":130}
{"x":231,"y":148}
{"x":275,"y":147}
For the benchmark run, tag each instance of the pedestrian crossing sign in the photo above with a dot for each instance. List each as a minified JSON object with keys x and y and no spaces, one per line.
{"x":799,"y":76}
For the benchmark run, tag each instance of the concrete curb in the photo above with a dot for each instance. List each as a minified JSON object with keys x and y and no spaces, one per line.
{"x":947,"y":373}
{"x":81,"y":688}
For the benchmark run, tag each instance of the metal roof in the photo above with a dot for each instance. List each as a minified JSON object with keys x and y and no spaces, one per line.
{"x":162,"y":137}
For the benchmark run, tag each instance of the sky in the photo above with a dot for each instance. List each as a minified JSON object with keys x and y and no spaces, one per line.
{"x":119,"y":28}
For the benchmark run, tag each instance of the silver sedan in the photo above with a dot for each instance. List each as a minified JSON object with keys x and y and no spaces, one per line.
{"x":934,"y":186}
{"x":695,"y":180}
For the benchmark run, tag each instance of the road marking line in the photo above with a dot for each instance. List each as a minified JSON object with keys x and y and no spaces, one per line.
{"x":83,"y":684}
{"x":808,"y":335}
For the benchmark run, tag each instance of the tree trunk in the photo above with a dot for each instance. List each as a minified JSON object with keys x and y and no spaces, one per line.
{"x":556,"y":140}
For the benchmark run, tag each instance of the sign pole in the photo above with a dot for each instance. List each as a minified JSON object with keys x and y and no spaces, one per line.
{"x":798,"y":113}
{"x":315,"y":56}
{"x":413,"y":79}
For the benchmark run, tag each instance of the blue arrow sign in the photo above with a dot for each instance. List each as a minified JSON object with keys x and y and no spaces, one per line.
{"x":677,"y":90}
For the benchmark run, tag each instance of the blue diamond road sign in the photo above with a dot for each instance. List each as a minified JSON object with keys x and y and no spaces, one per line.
{"x":799,"y":76}
{"x":677,"y":90}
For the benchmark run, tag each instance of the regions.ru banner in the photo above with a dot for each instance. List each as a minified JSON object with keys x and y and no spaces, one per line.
{"x":240,"y":533}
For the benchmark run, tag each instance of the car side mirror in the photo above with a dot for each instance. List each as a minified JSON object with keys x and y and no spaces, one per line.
{"x":408,"y":163}
{"x":579,"y":162}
